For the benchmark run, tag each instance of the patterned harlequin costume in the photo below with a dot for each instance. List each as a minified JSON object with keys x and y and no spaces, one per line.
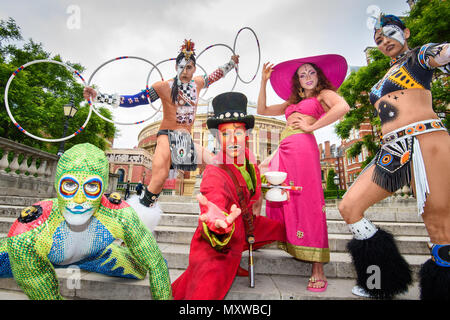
{"x":78,"y":228}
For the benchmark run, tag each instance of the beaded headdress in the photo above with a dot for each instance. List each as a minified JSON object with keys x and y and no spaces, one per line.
{"x":187,"y":49}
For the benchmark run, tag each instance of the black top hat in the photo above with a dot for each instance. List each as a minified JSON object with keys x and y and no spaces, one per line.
{"x":230,"y":107}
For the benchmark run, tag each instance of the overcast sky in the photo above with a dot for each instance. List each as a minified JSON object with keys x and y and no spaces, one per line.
{"x":93,"y":32}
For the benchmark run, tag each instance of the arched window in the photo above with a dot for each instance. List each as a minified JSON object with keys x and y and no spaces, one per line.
{"x":121,"y":174}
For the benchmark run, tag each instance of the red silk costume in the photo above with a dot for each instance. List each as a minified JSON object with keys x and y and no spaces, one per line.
{"x":211,"y":272}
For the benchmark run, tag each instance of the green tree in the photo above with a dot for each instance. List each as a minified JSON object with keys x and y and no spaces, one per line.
{"x":428,"y":22}
{"x":330,"y":180}
{"x":36,"y":96}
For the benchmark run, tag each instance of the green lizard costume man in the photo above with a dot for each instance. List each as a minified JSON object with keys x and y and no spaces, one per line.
{"x":78,"y":228}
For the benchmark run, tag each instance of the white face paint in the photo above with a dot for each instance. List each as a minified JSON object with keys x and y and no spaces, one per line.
{"x":181,"y":66}
{"x":394,"y":32}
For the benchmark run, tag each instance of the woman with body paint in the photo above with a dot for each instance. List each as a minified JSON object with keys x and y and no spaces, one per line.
{"x":415,"y":151}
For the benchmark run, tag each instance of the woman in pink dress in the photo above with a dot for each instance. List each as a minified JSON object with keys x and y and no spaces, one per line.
{"x":308,"y":86}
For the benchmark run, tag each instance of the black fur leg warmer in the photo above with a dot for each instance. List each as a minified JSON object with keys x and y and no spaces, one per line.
{"x":434,"y":282}
{"x":380,"y":268}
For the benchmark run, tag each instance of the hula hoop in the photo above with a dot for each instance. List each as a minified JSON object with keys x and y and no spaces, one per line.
{"x":72,"y":70}
{"x":259,"y":54}
{"x":232,"y":51}
{"x":166,"y":60}
{"x":148,"y":98}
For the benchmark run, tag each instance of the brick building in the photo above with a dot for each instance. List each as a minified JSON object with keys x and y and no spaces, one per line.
{"x":331,"y":157}
{"x":130,"y":164}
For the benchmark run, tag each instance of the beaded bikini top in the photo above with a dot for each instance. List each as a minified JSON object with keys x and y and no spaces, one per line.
{"x":408,"y":71}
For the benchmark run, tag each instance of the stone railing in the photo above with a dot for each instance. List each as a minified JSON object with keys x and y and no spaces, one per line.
{"x":38,"y":182}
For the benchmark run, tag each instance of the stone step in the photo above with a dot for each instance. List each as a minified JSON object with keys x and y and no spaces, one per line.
{"x":13,"y":205}
{"x":392,"y":202}
{"x":278,"y":262}
{"x":193,"y":208}
{"x":191,"y":219}
{"x":336,"y":242}
{"x":181,"y":234}
{"x":407,"y":244}
{"x":18,"y":200}
{"x":96,"y":286}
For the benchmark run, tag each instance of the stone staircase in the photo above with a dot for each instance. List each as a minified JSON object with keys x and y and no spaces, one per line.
{"x":278,"y":275}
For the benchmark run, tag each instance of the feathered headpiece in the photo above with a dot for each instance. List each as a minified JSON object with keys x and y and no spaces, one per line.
{"x":187,"y":48}
{"x":384,"y":20}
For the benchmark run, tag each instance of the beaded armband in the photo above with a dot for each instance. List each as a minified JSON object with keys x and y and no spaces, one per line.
{"x":219,"y":73}
{"x":139,"y":99}
{"x":440,"y":53}
{"x":111,"y":99}
{"x":440,"y":254}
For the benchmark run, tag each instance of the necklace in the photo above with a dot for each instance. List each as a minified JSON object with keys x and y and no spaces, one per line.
{"x":398,"y":58}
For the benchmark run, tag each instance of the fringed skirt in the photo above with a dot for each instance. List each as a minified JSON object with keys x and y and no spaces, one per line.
{"x":399,"y":154}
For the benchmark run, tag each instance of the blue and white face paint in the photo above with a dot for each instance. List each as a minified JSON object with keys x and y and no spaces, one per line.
{"x":394,"y":32}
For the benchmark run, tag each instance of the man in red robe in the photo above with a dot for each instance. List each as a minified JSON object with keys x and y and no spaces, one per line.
{"x":222,"y":232}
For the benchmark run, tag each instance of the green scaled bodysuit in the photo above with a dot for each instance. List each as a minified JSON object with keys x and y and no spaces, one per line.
{"x":78,"y":228}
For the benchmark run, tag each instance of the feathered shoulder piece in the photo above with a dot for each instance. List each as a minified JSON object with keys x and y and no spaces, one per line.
{"x":188,"y":48}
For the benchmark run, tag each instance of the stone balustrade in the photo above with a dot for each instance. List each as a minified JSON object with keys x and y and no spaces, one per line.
{"x":39,"y":180}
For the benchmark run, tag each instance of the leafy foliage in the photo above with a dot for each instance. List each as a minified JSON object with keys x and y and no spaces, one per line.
{"x":428,"y":22}
{"x":330,"y":180}
{"x":37,"y":94}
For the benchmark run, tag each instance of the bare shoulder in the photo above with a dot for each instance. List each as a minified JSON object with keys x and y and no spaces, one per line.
{"x":162,"y":87}
{"x":327,"y":94}
{"x":328,"y":98}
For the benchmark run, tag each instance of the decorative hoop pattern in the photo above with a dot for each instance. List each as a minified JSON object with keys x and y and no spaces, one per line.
{"x":233,"y":50}
{"x":259,"y":53}
{"x":148,"y":98}
{"x":92,"y":105}
{"x":18,"y":126}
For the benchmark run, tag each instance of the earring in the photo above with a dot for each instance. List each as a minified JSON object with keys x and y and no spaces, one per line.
{"x":301,"y":92}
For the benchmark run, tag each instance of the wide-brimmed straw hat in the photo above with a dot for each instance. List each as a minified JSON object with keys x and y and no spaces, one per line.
{"x":334,"y":67}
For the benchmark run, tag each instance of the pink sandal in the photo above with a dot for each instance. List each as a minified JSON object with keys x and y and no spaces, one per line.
{"x":314,"y":280}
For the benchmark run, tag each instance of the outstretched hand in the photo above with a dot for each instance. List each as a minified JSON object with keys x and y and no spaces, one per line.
{"x":267,"y":71}
{"x":235,"y":58}
{"x":89,"y":93}
{"x":213,"y":215}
